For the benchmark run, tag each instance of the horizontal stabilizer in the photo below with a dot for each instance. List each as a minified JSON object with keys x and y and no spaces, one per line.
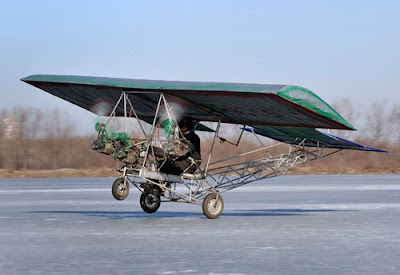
{"x":348,"y":144}
{"x":309,"y":137}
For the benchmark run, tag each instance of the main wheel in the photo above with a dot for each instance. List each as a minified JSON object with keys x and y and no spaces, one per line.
{"x":213,"y":205}
{"x":120,"y":189}
{"x":150,"y":202}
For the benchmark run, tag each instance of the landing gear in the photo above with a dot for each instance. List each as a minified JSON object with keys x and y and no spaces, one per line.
{"x":213,"y":205}
{"x":150,"y":201}
{"x":120,"y":189}
{"x":153,"y":190}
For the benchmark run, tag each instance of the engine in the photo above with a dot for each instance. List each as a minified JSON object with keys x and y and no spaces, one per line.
{"x":117,"y":144}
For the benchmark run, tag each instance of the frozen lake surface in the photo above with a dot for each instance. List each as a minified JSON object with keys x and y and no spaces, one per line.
{"x":285,"y":225}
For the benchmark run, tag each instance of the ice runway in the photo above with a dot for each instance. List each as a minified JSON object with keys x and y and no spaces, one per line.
{"x":285,"y":225}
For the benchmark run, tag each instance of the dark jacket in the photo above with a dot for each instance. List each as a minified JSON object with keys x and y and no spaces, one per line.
{"x":194,"y":144}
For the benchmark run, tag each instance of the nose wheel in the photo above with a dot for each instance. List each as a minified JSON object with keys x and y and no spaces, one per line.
{"x":213,"y":205}
{"x":120,"y":189}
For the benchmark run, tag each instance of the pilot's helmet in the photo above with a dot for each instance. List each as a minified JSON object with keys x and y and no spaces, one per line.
{"x":188,"y":123}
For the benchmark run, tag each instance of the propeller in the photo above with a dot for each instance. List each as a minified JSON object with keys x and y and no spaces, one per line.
{"x":102,"y":108}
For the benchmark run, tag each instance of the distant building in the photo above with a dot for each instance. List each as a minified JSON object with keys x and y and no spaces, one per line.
{"x":12,"y":128}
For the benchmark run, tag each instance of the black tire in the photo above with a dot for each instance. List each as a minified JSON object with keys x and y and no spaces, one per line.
{"x":120,"y":189}
{"x":213,"y":205}
{"x":150,"y":202}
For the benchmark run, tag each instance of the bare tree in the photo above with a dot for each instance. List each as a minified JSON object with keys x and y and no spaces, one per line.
{"x":346,"y":109}
{"x":377,"y":122}
{"x":41,"y":142}
{"x":395,"y":124}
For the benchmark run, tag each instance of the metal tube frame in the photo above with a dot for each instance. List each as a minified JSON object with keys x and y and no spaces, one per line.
{"x":217,"y":176}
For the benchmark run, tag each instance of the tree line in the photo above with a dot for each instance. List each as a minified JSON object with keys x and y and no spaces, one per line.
{"x":32,"y":138}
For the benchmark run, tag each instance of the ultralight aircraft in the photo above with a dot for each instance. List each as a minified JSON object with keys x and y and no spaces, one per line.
{"x":288,"y":114}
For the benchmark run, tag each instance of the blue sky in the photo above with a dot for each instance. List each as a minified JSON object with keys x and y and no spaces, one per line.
{"x":337,"y":48}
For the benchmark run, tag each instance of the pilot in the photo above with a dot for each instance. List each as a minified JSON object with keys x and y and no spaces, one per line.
{"x":188,"y":162}
{"x":187,"y":127}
